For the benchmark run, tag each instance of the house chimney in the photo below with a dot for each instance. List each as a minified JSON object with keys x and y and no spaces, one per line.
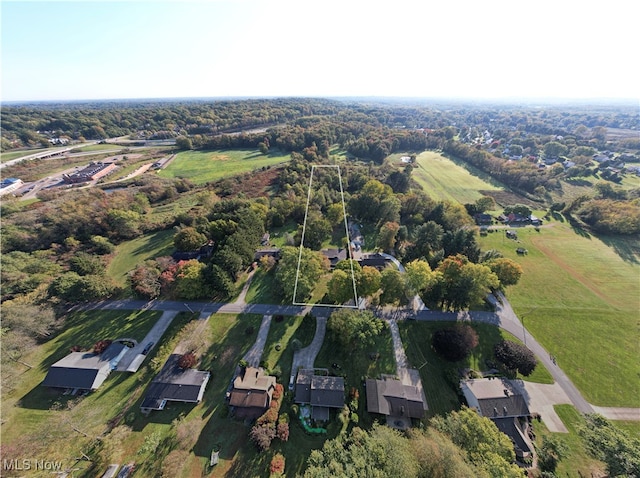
{"x":505,"y":410}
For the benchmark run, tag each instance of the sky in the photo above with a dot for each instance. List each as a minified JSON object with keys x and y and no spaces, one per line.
{"x":488,"y":49}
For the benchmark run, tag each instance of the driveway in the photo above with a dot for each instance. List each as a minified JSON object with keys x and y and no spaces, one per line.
{"x":252,"y":357}
{"x":154,"y":335}
{"x":305,"y":357}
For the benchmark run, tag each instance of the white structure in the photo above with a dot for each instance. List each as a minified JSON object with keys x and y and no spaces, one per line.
{"x":9,"y":185}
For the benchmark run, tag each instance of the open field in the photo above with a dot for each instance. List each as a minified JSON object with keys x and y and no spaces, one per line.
{"x":205,"y":166}
{"x":9,"y":155}
{"x":439,"y":377}
{"x":138,"y":250}
{"x":441,"y":178}
{"x":579,"y":297}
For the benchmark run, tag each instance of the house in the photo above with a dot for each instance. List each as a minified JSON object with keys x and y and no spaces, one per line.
{"x":84,"y":370}
{"x":318,"y":389}
{"x":483,"y":219}
{"x":269,"y":252}
{"x":389,"y":396}
{"x":374,"y":260}
{"x":174,"y":384}
{"x":334,"y":255}
{"x":205,"y":250}
{"x":499,"y":400}
{"x":251,"y":393}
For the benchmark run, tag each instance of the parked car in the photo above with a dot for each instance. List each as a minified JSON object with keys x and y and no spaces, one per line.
{"x":147,"y":348}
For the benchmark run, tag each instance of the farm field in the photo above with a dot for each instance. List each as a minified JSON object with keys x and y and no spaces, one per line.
{"x":579,"y":296}
{"x":441,"y":178}
{"x":204,"y":166}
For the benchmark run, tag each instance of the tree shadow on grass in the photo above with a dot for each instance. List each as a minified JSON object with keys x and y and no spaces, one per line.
{"x":627,"y":248}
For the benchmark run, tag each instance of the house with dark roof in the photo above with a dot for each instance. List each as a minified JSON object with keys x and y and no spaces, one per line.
{"x":252,"y":392}
{"x":334,"y":256}
{"x":389,"y":396}
{"x":374,"y":260}
{"x":316,"y":388}
{"x":84,"y":370}
{"x":499,"y":400}
{"x":267,"y":251}
{"x":174,"y":384}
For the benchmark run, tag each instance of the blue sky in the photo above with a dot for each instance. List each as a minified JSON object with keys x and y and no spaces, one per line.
{"x":464,"y":49}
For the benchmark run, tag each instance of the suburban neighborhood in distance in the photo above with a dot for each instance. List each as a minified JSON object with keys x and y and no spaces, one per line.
{"x":208,"y":271}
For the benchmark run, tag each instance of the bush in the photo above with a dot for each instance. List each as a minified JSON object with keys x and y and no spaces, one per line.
{"x":101,"y":345}
{"x":268,"y":418}
{"x":515,"y":356}
{"x":455,"y":343}
{"x":277,"y":464}
{"x":282,"y":431}
{"x":262,"y":435}
{"x":188,"y":360}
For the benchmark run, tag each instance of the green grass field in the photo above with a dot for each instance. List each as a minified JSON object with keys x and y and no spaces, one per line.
{"x":9,"y":155}
{"x":441,"y":178}
{"x":130,"y":253}
{"x":205,"y":166}
{"x":579,"y":297}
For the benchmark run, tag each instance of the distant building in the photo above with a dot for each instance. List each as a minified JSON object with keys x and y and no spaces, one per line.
{"x":93,"y":172}
{"x":322,"y":392}
{"x":374,"y":260}
{"x":84,"y":370}
{"x":252,"y":392}
{"x":267,"y":251}
{"x":8,"y":185}
{"x":174,"y":384}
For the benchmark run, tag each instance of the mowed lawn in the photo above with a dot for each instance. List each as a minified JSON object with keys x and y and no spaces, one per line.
{"x":205,"y":166}
{"x":580,"y":299}
{"x":138,"y":250}
{"x":441,"y":178}
{"x":53,"y":425}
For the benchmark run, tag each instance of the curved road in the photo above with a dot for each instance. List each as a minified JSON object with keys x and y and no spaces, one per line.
{"x":504,"y":317}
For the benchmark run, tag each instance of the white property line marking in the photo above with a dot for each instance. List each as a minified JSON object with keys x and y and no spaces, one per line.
{"x":346,"y":230}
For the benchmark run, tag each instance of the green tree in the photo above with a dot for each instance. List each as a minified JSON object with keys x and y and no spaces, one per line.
{"x":318,"y":229}
{"x":354,"y":329}
{"x":487,"y":447}
{"x":335,"y":214}
{"x":615,"y":447}
{"x":463,"y":283}
{"x":552,"y":451}
{"x":340,"y":287}
{"x":394,"y":290}
{"x":387,"y":235}
{"x":184,"y":143}
{"x":419,"y":276}
{"x":554,"y":149}
{"x":190,"y":283}
{"x":455,"y":343}
{"x":515,"y":356}
{"x":369,"y":281}
{"x":188,"y":239}
{"x":311,"y":268}
{"x":507,"y":270}
{"x":86,"y":264}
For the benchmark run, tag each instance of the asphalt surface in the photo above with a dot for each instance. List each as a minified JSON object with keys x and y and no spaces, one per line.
{"x":504,"y":317}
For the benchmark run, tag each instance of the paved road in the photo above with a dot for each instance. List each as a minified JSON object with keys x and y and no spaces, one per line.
{"x":504,"y":317}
